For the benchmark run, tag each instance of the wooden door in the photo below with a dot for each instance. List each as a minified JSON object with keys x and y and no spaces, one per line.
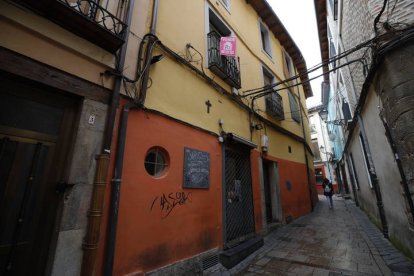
{"x":36,"y":127}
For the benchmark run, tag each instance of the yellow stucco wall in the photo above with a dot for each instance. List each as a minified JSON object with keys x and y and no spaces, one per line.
{"x":178,"y":92}
{"x":175,"y":90}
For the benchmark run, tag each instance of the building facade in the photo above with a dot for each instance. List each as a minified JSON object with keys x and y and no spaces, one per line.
{"x":56,"y":128}
{"x":323,"y":152}
{"x":367,"y":47}
{"x":130,"y":145}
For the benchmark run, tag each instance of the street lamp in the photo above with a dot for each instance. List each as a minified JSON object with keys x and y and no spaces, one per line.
{"x":324,"y":116}
{"x":322,"y":149}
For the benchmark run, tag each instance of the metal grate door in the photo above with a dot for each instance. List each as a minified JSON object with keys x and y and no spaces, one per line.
{"x":239,"y":217}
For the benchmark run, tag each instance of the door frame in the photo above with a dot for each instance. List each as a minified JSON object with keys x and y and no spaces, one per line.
{"x":233,"y":141}
{"x":269,"y":166}
{"x":64,"y":149}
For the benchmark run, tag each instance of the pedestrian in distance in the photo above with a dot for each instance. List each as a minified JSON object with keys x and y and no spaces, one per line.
{"x":328,"y":191}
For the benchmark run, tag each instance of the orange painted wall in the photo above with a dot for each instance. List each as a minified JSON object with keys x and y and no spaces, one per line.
{"x":147,"y":237}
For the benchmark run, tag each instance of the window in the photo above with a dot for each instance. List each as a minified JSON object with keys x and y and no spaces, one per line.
{"x":226,"y":67}
{"x":156,"y":161}
{"x":288,"y":68}
{"x":273,"y":101}
{"x":334,"y":8}
{"x":332,"y":49}
{"x":294,"y":107}
{"x":267,"y":77}
{"x":316,"y":152}
{"x":226,"y":3}
{"x":217,"y":25}
{"x":346,"y":111}
{"x":332,"y":52}
{"x":289,"y":71}
{"x":367,"y":165}
{"x":265,"y":38}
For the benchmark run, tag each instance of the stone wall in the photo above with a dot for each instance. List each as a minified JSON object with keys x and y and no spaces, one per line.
{"x":68,"y":257}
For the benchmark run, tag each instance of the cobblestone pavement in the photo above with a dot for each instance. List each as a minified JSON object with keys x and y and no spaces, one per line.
{"x":338,"y":241}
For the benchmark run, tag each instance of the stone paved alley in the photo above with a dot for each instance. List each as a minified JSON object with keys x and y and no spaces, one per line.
{"x":341,"y":241}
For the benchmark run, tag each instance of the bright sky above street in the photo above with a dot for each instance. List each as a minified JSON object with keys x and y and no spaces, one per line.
{"x":298,"y":17}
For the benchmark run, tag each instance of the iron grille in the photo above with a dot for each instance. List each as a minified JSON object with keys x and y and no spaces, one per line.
{"x":91,"y":10}
{"x":226,"y":67}
{"x":238,"y":197}
{"x":210,"y":261}
{"x":274,"y":106}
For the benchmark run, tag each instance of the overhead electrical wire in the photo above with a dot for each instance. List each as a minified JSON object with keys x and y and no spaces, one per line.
{"x":373,"y":42}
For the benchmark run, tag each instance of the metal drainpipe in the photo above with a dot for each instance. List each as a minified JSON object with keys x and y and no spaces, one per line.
{"x":119,"y":159}
{"x":305,"y":151}
{"x":91,"y":241}
{"x":116,"y":189}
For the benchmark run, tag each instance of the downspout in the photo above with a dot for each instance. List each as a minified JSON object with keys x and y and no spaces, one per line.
{"x":91,"y":241}
{"x":119,"y":159}
{"x":306,"y":152}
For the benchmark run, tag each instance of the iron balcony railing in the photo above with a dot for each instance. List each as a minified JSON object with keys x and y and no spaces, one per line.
{"x":226,"y":67}
{"x":91,"y":10}
{"x":98,"y":21}
{"x":274,"y":106}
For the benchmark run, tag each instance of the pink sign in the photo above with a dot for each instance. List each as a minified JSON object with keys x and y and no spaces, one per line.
{"x":228,"y":46}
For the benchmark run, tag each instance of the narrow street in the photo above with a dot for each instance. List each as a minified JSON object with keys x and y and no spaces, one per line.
{"x":341,"y":241}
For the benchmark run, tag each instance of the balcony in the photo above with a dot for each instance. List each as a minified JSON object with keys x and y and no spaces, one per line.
{"x":274,"y":106}
{"x":87,"y":19}
{"x":226,"y":67}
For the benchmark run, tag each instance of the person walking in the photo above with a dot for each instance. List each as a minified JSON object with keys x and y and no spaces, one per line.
{"x":328,"y":191}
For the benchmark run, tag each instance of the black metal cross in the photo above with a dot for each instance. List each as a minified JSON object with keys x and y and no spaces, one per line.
{"x":208,"y":106}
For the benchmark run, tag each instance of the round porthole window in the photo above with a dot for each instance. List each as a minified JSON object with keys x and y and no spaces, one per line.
{"x":156,"y":161}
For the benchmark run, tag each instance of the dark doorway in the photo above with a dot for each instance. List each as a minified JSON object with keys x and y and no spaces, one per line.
{"x":239,"y":216}
{"x":344,"y":179}
{"x":36,"y":126}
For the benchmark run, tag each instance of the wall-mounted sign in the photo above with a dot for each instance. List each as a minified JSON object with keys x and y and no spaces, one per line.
{"x":196,"y":169}
{"x":228,"y":46}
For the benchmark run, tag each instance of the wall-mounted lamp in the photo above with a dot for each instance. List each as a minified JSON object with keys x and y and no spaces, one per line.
{"x":324,"y":116}
{"x":256,"y":126}
{"x":264,"y":143}
{"x":322,"y":149}
{"x":156,"y":58}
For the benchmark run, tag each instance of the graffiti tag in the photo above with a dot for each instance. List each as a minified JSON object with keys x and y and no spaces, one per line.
{"x":168,"y":202}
